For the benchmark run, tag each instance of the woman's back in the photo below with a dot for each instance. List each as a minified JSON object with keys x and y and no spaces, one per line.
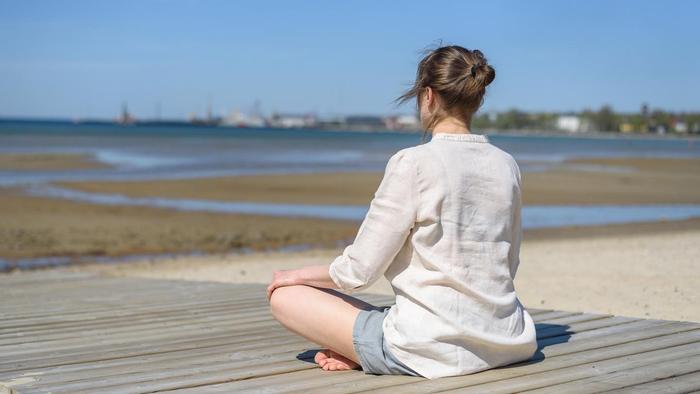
{"x":444,"y":228}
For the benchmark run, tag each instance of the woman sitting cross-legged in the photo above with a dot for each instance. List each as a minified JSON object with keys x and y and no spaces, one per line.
{"x":444,"y":229}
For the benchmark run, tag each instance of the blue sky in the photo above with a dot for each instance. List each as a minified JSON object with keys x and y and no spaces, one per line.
{"x":84,"y":58}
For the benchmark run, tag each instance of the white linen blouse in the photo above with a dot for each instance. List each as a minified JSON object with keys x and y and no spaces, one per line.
{"x":444,"y":228}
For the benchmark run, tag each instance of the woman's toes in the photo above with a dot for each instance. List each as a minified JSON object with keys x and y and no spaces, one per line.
{"x":333,"y":361}
{"x":342,"y":359}
{"x":322,"y":356}
{"x":335,"y":365}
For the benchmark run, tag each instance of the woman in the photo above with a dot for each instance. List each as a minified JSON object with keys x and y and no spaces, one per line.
{"x":444,"y":228}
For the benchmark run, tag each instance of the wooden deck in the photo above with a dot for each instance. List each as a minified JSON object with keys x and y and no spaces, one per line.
{"x":70,"y":333}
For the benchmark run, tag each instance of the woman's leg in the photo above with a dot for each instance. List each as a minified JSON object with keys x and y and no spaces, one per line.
{"x":323,"y":316}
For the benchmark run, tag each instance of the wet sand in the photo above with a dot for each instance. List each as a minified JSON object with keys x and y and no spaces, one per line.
{"x":48,"y":161}
{"x":655,"y":181}
{"x":38,"y":227}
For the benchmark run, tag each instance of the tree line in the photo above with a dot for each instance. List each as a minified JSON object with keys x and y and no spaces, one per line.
{"x":604,"y":119}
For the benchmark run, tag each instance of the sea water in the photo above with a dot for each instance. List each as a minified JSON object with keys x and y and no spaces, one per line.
{"x":171,"y":152}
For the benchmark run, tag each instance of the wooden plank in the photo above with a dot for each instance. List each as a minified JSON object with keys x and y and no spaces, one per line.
{"x":622,"y":375}
{"x":95,"y":347}
{"x":534,"y":381}
{"x":107,"y":337}
{"x":568,"y":374}
{"x":169,"y":315}
{"x":161,"y":346}
{"x":678,"y":384}
{"x":554,"y":315}
{"x":81,"y":313}
{"x":611,"y":335}
{"x":42,"y":276}
{"x":580,"y":349}
{"x":228,"y":358}
{"x":65,"y":317}
{"x":112,"y":366}
{"x":65,"y":310}
{"x":576,"y":318}
{"x":309,"y":380}
{"x":245,"y":365}
{"x":535,"y":311}
{"x":548,"y":330}
{"x":131,"y":324}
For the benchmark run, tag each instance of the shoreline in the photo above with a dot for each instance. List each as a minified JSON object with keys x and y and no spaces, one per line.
{"x":512,"y":132}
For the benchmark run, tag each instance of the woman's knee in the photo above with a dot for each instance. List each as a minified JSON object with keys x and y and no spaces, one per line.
{"x":281,"y":298}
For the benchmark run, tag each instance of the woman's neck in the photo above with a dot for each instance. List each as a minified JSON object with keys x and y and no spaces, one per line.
{"x":451,"y":125}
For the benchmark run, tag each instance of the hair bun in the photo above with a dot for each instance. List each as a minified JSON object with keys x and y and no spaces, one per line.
{"x":483,"y":74}
{"x":472,"y":70}
{"x":458,"y":76}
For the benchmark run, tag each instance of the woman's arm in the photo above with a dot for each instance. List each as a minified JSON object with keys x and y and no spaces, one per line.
{"x":313,"y":275}
{"x":391,"y":215}
{"x":389,"y":220}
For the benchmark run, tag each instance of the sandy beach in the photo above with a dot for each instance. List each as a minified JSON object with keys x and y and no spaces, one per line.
{"x":648,"y":273}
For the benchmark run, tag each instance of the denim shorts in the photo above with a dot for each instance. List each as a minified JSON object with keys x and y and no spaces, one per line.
{"x":370,"y":346}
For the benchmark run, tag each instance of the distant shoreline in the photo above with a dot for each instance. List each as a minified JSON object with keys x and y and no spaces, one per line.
{"x":509,"y":133}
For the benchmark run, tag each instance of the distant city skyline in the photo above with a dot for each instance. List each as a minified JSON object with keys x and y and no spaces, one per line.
{"x":84,"y":59}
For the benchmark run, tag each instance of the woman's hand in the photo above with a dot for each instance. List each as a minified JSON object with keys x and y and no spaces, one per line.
{"x":282,"y":278}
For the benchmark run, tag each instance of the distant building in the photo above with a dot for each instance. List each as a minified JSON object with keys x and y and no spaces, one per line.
{"x":569,"y":123}
{"x":292,"y":120}
{"x":680,"y":126}
{"x":210,"y":120}
{"x":365,"y":122}
{"x":492,"y":116}
{"x":125,"y":117}
{"x":660,"y":129}
{"x":627,"y":127}
{"x":402,"y":122}
{"x":239,"y":119}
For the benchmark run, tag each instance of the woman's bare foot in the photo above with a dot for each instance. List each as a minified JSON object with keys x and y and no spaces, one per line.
{"x":330,"y":360}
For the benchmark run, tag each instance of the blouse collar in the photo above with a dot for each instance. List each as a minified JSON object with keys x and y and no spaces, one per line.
{"x":461,"y":137}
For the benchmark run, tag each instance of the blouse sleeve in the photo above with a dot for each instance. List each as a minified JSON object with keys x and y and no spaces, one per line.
{"x":517,"y":231}
{"x":383,"y":232}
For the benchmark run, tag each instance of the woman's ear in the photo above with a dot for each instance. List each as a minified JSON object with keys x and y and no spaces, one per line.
{"x":429,"y":98}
